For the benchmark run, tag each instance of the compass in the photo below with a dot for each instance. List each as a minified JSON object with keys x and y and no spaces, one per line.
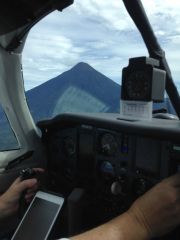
{"x":142,"y":80}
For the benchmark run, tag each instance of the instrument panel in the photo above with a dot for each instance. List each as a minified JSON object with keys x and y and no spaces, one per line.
{"x":102,"y":168}
{"x":87,"y":152}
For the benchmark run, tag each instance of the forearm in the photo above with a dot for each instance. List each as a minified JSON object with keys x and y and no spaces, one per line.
{"x":123,"y":227}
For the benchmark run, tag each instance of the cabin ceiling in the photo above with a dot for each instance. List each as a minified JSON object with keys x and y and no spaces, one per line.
{"x":19,"y":13}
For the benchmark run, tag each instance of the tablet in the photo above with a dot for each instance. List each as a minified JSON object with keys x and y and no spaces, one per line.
{"x":39,"y":218}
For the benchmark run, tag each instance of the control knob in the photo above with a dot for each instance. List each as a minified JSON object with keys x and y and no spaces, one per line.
{"x":116,"y":188}
{"x":140,"y":186}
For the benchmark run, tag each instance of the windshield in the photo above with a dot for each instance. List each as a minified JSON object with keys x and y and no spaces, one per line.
{"x":73,"y":60}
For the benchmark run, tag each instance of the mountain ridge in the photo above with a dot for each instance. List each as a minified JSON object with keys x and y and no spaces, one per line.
{"x":83,"y":77}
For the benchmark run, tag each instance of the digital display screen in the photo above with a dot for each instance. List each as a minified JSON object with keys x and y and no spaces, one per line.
{"x":37,"y":221}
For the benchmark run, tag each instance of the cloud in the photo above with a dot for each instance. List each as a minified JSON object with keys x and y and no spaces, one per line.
{"x":100,"y":33}
{"x":108,"y":12}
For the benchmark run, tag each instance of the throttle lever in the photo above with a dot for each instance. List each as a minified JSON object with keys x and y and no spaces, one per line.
{"x":25,"y":174}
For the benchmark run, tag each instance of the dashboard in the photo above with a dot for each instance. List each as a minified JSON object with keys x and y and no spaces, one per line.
{"x":102,"y":163}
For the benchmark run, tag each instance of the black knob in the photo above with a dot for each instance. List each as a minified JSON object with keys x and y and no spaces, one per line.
{"x":123,"y":172}
{"x":140,"y":186}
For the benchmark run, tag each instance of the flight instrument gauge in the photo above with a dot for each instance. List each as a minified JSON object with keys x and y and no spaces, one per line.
{"x":108,"y":144}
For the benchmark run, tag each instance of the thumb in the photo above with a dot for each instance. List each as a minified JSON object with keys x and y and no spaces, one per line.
{"x":19,"y":186}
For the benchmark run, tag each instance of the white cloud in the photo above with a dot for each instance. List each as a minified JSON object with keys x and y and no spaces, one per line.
{"x":100,"y":33}
{"x":108,"y":11}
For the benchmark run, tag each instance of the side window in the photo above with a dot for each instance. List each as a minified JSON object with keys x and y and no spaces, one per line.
{"x":8,"y":139}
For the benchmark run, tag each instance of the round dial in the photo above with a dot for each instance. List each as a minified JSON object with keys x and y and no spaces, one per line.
{"x":108,"y":144}
{"x":138,"y":85}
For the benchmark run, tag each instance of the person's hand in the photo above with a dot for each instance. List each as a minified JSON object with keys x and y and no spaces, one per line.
{"x":158,"y":210}
{"x":9,"y":201}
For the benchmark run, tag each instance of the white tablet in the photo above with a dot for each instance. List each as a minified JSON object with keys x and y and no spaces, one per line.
{"x":39,"y":217}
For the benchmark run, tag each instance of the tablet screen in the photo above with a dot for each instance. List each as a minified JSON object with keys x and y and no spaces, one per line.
{"x":38,"y":220}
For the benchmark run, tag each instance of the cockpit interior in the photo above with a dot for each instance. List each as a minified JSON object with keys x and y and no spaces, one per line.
{"x":99,"y":162}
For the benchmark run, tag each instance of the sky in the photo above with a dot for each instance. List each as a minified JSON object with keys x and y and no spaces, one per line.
{"x":100,"y":33}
